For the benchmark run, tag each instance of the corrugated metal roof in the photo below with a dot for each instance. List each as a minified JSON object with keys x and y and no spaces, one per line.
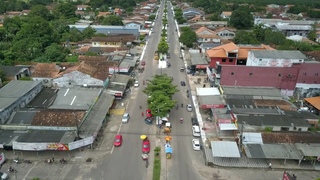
{"x":279,"y":54}
{"x":225,"y":149}
{"x":207,"y":91}
{"x":293,"y":27}
{"x":252,"y":91}
{"x":309,"y":149}
{"x":197,"y":58}
{"x":272,"y":151}
{"x":227,"y":127}
{"x":252,"y":138}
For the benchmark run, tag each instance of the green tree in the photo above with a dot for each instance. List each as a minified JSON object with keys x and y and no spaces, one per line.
{"x":42,"y":11}
{"x":274,"y":37}
{"x":64,"y":11}
{"x":160,"y":90}
{"x":151,"y":17}
{"x":163,"y":47}
{"x":162,"y":83}
{"x":259,"y":32}
{"x":160,"y":104}
{"x":55,"y":53}
{"x":112,"y":20}
{"x":88,"y":32}
{"x":312,"y":35}
{"x":244,"y":37}
{"x":241,"y":19}
{"x":188,"y":37}
{"x":32,"y":39}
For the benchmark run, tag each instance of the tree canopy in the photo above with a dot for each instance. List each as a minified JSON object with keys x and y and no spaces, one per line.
{"x":241,"y":19}
{"x":188,"y":37}
{"x":160,"y":91}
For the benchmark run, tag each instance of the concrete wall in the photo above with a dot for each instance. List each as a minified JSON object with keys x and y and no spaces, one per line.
{"x":77,"y":78}
{"x":46,"y":82}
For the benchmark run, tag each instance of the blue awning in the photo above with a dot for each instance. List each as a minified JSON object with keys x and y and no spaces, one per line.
{"x":169,"y":150}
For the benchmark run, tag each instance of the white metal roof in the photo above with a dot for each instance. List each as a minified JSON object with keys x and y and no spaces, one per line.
{"x":225,"y":149}
{"x":227,"y":127}
{"x":252,"y":138}
{"x":207,"y":91}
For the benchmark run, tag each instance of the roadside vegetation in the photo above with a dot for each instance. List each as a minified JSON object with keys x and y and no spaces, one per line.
{"x":157,"y":164}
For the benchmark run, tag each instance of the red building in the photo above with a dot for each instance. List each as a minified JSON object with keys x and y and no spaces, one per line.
{"x":231,"y":54}
{"x":282,"y":78}
{"x":309,"y":73}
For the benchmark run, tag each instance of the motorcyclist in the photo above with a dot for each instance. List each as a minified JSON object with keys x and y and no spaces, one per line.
{"x":181,"y":104}
{"x":181,"y":120}
{"x":177,"y":107}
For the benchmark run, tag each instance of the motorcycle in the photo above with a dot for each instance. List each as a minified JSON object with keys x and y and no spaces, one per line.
{"x":181,"y":120}
{"x":63,"y":161}
{"x":147,"y":163}
{"x":27,"y":161}
{"x":16,"y":160}
{"x":11,"y":169}
{"x":177,"y":107}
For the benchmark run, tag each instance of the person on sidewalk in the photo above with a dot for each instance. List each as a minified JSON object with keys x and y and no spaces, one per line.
{"x":270,"y":166}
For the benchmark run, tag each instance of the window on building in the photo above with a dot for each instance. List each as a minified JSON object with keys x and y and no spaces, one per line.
{"x":315,"y":82}
{"x":304,"y":73}
{"x":224,"y":60}
{"x":304,"y":81}
{"x":317,"y":74}
{"x":279,"y":75}
{"x":230,"y":60}
{"x":250,"y":74}
{"x":232,"y":73}
{"x":260,"y":59}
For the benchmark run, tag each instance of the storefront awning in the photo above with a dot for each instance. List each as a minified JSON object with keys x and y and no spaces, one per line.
{"x":208,"y":106}
{"x":202,"y":66}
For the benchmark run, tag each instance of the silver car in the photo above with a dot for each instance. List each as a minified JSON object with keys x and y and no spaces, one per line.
{"x":189,"y":107}
{"x":125,"y":118}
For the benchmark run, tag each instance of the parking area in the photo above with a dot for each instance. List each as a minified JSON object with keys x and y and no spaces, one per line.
{"x":75,"y":98}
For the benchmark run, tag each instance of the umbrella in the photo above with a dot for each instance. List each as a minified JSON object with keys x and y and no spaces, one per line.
{"x":143,"y":137}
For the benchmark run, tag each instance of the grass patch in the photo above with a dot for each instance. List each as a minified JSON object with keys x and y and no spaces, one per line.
{"x":156,"y":164}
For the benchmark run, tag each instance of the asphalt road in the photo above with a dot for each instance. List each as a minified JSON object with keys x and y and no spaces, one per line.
{"x":125,"y":162}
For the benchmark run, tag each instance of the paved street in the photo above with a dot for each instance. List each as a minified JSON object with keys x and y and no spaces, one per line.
{"x":125,"y":162}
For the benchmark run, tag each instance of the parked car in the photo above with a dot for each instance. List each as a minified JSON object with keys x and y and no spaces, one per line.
{"x":125,"y":118}
{"x":196,"y":144}
{"x":146,"y":146}
{"x":148,"y":113}
{"x":148,"y":121}
{"x":189,"y":107}
{"x":118,"y":140}
{"x":182,"y":69}
{"x":136,"y":84}
{"x":4,"y":176}
{"x":196,"y":131}
{"x":194,"y":121}
{"x":183,"y":83}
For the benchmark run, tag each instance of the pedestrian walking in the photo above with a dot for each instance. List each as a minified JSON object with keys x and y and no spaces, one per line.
{"x":270,"y":166}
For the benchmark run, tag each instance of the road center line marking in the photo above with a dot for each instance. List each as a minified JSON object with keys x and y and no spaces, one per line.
{"x":66,"y":92}
{"x":74,"y":98}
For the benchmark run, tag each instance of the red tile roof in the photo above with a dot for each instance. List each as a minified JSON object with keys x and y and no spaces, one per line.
{"x":46,"y":70}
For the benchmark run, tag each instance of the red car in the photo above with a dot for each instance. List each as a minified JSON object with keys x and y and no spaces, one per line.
{"x":146,"y":146}
{"x":148,"y":113}
{"x":118,"y":140}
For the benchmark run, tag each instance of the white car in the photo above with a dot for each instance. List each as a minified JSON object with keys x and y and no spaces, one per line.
{"x":196,"y":144}
{"x":189,"y":107}
{"x":136,"y":84}
{"x":196,"y":131}
{"x":4,"y":176}
{"x":125,"y":118}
